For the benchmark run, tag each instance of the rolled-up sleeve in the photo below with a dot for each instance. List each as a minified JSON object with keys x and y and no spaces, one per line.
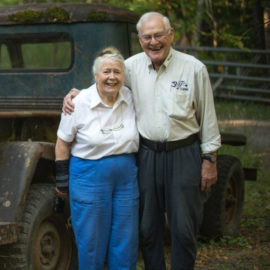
{"x":206,"y":113}
{"x":67,"y":127}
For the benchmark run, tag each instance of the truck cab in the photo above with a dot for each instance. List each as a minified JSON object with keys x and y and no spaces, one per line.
{"x":45,"y":50}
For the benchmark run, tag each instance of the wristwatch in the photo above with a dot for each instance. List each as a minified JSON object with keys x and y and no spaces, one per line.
{"x":210,"y":157}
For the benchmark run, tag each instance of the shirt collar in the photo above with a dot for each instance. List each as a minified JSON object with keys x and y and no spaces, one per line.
{"x":96,"y":100}
{"x":165,"y":63}
{"x":169,"y":58}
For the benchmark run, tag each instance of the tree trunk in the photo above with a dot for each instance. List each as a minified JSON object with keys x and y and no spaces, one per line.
{"x":259,"y":25}
{"x":196,"y":35}
{"x":267,"y":31}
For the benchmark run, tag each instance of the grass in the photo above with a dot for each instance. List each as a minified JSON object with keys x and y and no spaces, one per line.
{"x":231,"y":110}
{"x":257,"y":203}
{"x":248,"y":158}
{"x":257,"y":194}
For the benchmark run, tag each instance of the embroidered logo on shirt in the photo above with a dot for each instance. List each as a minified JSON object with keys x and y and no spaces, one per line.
{"x":180,"y":85}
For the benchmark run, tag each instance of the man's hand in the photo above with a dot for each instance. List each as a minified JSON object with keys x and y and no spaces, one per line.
{"x":68,"y":105}
{"x":209,"y":174}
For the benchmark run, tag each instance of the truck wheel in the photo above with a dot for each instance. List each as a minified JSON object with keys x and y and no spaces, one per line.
{"x":223,"y":209}
{"x":45,"y":241}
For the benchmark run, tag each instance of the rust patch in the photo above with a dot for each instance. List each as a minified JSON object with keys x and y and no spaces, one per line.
{"x":27,"y":162}
{"x":8,"y":232}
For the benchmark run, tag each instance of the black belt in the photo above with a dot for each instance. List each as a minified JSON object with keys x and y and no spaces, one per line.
{"x":168,"y":146}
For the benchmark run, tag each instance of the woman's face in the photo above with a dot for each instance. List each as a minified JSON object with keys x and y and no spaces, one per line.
{"x":110,"y":78}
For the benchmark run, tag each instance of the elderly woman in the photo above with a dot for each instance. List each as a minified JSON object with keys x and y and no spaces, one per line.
{"x":102,"y":137}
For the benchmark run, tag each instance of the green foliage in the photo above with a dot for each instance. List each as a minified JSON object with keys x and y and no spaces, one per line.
{"x":225,"y":24}
{"x":97,"y":16}
{"x":4,"y":58}
{"x":46,"y":55}
{"x":52,"y":14}
{"x":4,"y":3}
{"x":247,"y":157}
{"x":251,"y":221}
{"x":56,"y":14}
{"x":236,"y":241}
{"x":242,"y":110}
{"x":225,"y":240}
{"x":257,"y":204}
{"x":26,"y":16}
{"x":205,"y":22}
{"x":182,"y":14}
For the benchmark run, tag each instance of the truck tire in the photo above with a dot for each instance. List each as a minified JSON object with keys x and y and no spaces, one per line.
{"x":45,"y":241}
{"x":223,"y":209}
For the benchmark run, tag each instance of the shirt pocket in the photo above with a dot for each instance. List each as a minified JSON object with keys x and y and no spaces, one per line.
{"x":179,"y":106}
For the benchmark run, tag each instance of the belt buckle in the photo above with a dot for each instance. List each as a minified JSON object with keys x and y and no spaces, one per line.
{"x":161,"y":146}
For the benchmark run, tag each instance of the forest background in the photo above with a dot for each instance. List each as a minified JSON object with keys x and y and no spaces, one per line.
{"x":220,"y":23}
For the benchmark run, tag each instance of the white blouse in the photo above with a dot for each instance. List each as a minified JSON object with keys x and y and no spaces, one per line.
{"x":98,"y":130}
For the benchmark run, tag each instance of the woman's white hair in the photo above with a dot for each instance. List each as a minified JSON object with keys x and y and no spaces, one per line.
{"x":108,"y":53}
{"x":146,"y":16}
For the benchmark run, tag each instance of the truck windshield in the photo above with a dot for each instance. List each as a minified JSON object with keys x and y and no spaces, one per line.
{"x":41,"y":51}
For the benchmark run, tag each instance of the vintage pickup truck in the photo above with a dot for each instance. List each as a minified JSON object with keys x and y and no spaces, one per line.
{"x":45,"y":50}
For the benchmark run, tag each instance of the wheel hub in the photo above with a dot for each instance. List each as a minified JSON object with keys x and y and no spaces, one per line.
{"x":47,"y":247}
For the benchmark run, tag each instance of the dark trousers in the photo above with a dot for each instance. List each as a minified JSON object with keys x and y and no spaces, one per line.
{"x":170,"y":181}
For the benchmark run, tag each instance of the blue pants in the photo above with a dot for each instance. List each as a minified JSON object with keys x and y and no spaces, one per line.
{"x":104,"y":203}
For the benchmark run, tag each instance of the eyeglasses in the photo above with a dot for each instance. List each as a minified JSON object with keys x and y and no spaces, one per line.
{"x":157,"y":36}
{"x":109,"y":130}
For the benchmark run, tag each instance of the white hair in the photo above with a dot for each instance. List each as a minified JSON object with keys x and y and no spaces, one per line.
{"x":101,"y":58}
{"x":146,"y":16}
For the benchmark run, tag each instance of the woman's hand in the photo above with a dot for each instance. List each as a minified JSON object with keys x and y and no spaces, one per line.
{"x":61,"y":194}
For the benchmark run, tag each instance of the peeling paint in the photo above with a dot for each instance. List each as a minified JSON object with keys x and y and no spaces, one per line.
{"x":7,"y":203}
{"x":27,"y":162}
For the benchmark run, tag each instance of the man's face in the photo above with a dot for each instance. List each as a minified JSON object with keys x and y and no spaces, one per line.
{"x":156,"y":40}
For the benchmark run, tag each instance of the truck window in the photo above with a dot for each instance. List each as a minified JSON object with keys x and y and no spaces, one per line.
{"x":4,"y":57}
{"x":135,"y":45}
{"x":36,"y":52}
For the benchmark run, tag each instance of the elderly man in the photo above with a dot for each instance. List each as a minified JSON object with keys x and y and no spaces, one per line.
{"x":179,"y":138}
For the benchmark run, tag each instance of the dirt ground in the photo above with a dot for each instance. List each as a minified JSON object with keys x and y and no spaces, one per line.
{"x":253,"y":253}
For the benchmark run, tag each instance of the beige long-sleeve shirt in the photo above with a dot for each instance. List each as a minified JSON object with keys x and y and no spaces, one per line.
{"x":174,"y":102}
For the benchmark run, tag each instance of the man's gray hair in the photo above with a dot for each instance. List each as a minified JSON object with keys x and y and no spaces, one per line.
{"x":146,"y":16}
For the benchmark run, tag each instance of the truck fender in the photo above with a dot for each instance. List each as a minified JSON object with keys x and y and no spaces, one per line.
{"x":233,"y":139}
{"x":20,"y":164}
